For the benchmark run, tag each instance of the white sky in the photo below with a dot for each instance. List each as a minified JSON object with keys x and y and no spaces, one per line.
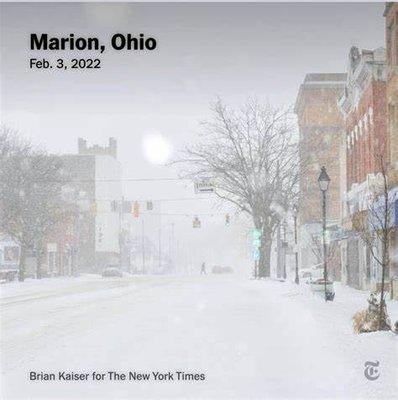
{"x":204,"y":50}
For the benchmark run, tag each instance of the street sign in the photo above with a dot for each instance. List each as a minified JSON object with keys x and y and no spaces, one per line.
{"x":204,"y":185}
{"x":256,"y":238}
{"x":196,"y":223}
{"x":256,"y":254}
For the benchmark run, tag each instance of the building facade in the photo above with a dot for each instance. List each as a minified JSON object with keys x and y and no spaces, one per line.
{"x":391,"y":17}
{"x":320,"y":126}
{"x":366,"y":147}
{"x":9,"y":256}
{"x":95,"y":188}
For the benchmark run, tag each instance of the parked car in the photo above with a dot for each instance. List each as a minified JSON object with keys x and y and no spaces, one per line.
{"x":318,"y":286}
{"x":305,"y":275}
{"x":8,"y":275}
{"x":112,"y":271}
{"x":312,"y":273}
{"x":217,"y":269}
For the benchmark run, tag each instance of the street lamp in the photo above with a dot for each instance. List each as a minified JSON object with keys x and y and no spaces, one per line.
{"x":323,"y":182}
{"x":295,"y":212}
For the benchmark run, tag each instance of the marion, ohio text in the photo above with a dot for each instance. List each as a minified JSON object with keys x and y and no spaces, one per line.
{"x":119,"y":41}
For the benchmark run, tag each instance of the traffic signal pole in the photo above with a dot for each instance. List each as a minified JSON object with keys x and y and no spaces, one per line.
{"x":160,"y":247}
{"x":143,"y":247}
{"x":120,"y":233}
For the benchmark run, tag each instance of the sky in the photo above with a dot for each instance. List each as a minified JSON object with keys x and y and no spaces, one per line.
{"x":205,"y":50}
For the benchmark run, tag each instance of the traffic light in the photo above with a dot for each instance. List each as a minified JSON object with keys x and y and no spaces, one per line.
{"x":256,"y":234}
{"x":136,"y":209}
{"x":93,"y":208}
{"x":196,"y":223}
{"x":149,"y":205}
{"x":100,"y":235}
{"x":227,"y":219}
{"x":256,"y":238}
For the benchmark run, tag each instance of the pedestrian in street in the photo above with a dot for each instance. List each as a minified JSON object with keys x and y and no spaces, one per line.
{"x":203,"y":269}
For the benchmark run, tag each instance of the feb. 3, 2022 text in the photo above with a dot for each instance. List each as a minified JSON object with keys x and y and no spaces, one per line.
{"x":65,"y":64}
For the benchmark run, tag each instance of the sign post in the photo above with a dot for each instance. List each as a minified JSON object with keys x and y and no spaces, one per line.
{"x":204,"y":185}
{"x":256,"y":244}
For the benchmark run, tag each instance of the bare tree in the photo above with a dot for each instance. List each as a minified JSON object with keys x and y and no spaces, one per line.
{"x":12,"y":152}
{"x":332,"y":254}
{"x":252,"y":157}
{"x":374,"y":228}
{"x":30,"y":192}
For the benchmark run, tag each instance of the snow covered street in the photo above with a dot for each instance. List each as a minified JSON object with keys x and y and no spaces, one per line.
{"x":251,"y":339}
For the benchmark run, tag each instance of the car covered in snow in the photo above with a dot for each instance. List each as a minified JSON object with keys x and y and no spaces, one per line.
{"x":312,"y":273}
{"x":318,"y":285}
{"x":8,"y":275}
{"x":217,"y":269}
{"x":112,"y":272}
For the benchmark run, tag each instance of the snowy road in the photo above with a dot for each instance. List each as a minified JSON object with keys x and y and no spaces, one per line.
{"x":251,"y":339}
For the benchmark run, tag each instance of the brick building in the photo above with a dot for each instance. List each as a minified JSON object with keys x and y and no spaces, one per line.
{"x":95,"y":188}
{"x":364,"y":108}
{"x":391,"y":15}
{"x":320,"y":127}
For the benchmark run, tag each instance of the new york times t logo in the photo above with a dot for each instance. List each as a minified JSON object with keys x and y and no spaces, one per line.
{"x":371,"y":371}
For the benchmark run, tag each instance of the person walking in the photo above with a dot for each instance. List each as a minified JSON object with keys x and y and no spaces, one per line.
{"x":203,"y":269}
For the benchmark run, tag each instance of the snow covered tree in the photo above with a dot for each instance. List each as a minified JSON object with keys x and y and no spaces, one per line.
{"x":374,"y":228}
{"x":252,"y":157}
{"x":30,"y":195}
{"x":12,"y":153}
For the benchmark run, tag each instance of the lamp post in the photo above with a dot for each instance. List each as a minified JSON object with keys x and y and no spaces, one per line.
{"x":295,"y":212}
{"x":323,"y":182}
{"x":284,"y":249}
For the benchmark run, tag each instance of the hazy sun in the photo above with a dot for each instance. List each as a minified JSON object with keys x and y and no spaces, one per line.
{"x":157,"y":148}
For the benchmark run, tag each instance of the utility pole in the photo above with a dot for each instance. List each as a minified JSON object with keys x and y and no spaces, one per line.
{"x":177,"y":254}
{"x":296,"y":279}
{"x":284,"y":250}
{"x":143,"y":247}
{"x":172,"y":245}
{"x":323,"y":182}
{"x":325,"y":270}
{"x":160,"y":248}
{"x":120,"y":233}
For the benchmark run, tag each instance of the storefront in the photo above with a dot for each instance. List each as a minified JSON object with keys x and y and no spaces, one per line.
{"x":9,"y":258}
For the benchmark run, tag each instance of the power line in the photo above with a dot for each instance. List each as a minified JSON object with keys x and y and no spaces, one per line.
{"x":182,"y":214}
{"x":131,"y":180}
{"x":165,"y":214}
{"x":67,"y":181}
{"x":143,"y":200}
